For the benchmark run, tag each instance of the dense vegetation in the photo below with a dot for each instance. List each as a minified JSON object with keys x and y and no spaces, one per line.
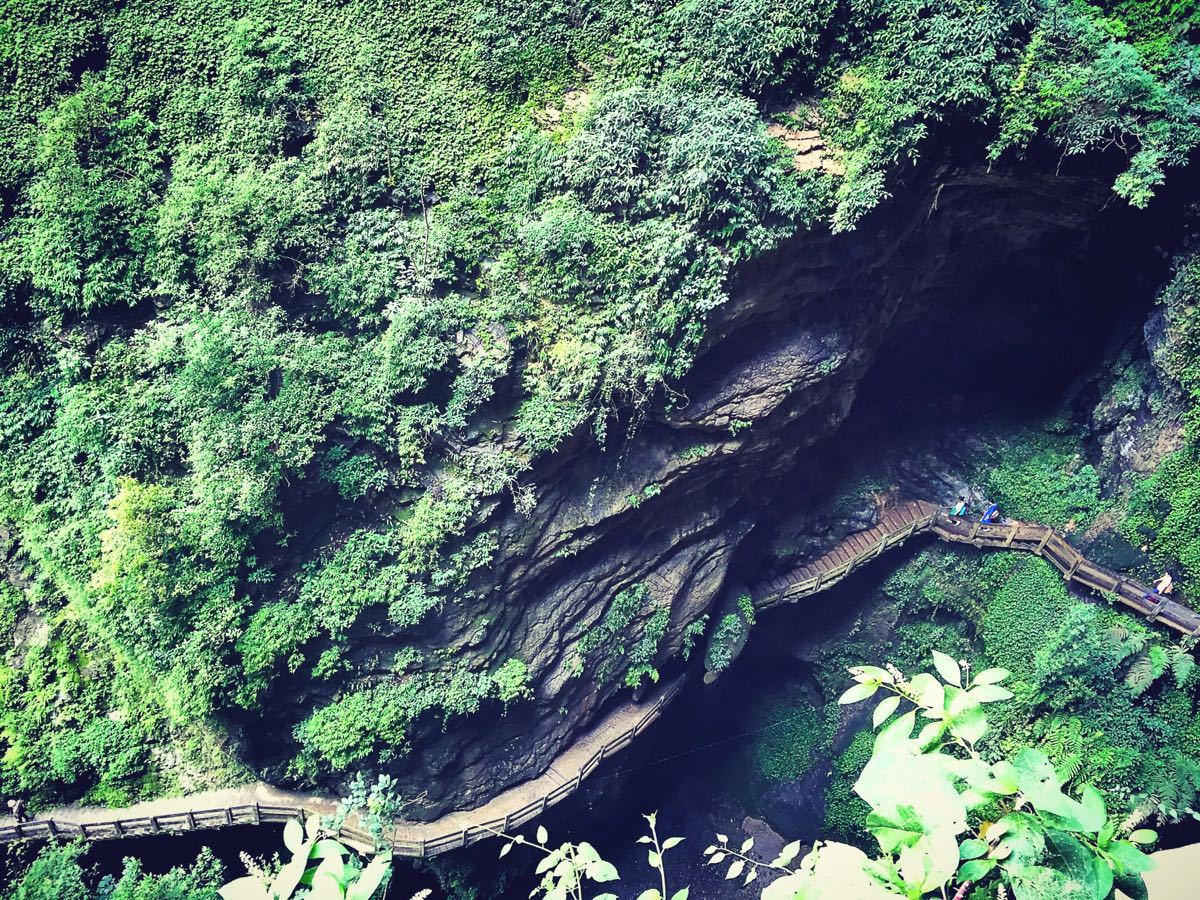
{"x":301,"y":254}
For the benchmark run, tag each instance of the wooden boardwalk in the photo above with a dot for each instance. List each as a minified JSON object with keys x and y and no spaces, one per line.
{"x":261,"y":803}
{"x":901,"y":522}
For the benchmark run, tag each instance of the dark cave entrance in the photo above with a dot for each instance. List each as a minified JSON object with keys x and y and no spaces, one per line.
{"x":1018,"y":332}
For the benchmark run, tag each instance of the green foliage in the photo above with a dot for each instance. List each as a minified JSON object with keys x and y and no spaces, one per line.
{"x":846,"y":812}
{"x":373,"y":722}
{"x":57,"y":875}
{"x":1020,"y":615}
{"x":320,"y":868}
{"x":729,"y":636}
{"x":378,"y":260}
{"x":612,"y":646}
{"x":512,"y":681}
{"x":1094,"y":91}
{"x":1164,"y":510}
{"x":1037,"y":478}
{"x":784,"y":752}
{"x":924,"y":791}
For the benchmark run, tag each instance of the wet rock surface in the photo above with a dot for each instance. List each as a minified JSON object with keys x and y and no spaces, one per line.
{"x":670,"y":503}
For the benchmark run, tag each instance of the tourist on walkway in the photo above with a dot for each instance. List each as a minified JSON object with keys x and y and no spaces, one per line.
{"x":961,"y":508}
{"x":991,"y":515}
{"x":1164,"y":585}
{"x":16,"y":806}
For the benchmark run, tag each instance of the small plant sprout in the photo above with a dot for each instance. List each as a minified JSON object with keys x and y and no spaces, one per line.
{"x":564,"y":869}
{"x":741,"y":862}
{"x":656,"y":861}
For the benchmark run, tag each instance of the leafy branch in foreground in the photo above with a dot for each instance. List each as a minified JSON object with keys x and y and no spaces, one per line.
{"x":949,"y":820}
{"x":326,"y":867}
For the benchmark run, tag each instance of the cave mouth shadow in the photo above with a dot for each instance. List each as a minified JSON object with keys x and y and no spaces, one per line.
{"x":1017,"y":338}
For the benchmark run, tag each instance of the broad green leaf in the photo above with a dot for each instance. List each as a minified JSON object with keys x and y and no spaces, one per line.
{"x":894,"y":830}
{"x":975,"y":869}
{"x":542,"y":834}
{"x":716,"y":858}
{"x":1094,"y":812}
{"x":327,"y":847}
{"x":1103,"y":875}
{"x":1005,"y":777}
{"x":941,"y":848}
{"x":895,"y":733}
{"x":289,"y":876}
{"x":654,"y":859}
{"x":681,"y":894}
{"x":1022,"y":840}
{"x":990,"y":693}
{"x":969,"y":725}
{"x":735,"y":869}
{"x":886,"y":707}
{"x":606,"y":897}
{"x":602,"y":871}
{"x":377,"y":872}
{"x":1131,"y":885}
{"x":1144,"y":836}
{"x":930,"y":734}
{"x":947,"y":667}
{"x":247,"y":888}
{"x":1076,"y":862}
{"x":747,"y":844}
{"x":991,"y":676}
{"x":1129,"y":859}
{"x":871,"y":673}
{"x":787,"y":854}
{"x":972,"y":848}
{"x":671,"y":842}
{"x":293,"y":835}
{"x":857,"y":692}
{"x":651,"y":894}
{"x":929,"y":691}
{"x":505,"y":849}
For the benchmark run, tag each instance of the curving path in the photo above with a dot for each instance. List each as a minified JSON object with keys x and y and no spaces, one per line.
{"x":899,"y":523}
{"x":261,"y":803}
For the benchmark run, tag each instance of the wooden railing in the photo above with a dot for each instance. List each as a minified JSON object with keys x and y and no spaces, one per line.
{"x":478,"y":831}
{"x":1074,"y":566}
{"x":1040,"y":539}
{"x":407,"y":838}
{"x":424,"y":839}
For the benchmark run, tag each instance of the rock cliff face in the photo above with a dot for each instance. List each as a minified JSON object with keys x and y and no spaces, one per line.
{"x":664,"y":508}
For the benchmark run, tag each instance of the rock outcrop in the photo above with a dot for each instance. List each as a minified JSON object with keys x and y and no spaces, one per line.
{"x":667,"y":503}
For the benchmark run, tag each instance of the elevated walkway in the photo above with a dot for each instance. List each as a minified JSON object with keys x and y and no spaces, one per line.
{"x":259,"y":803}
{"x":901,"y":522}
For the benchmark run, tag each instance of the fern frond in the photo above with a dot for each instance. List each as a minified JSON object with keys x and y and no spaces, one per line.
{"x":1141,"y":674}
{"x":1182,"y":664}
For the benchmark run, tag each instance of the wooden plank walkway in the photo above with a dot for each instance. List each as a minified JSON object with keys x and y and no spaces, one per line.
{"x":261,"y":803}
{"x":901,"y":522}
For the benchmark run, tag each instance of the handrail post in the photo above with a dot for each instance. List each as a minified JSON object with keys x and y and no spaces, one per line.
{"x":1041,"y":547}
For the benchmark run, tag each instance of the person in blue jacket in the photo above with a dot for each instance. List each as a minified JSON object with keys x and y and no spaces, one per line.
{"x":991,"y":515}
